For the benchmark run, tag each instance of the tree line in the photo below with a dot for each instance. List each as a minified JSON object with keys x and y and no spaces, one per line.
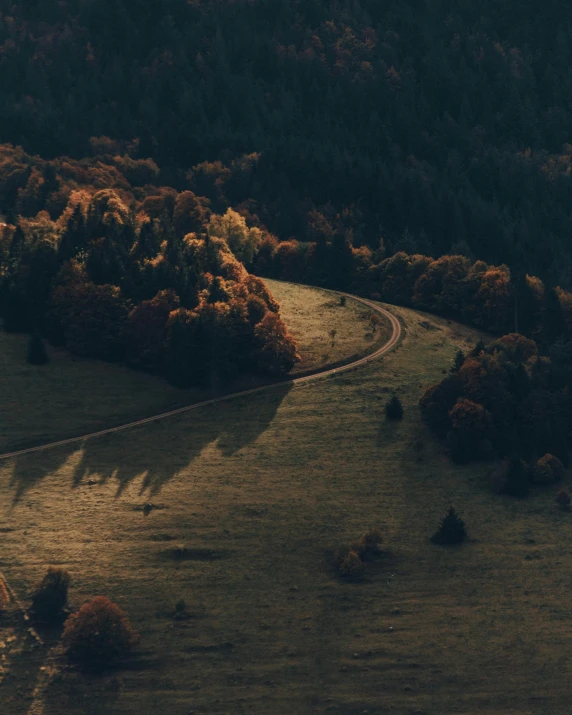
{"x":443,"y":130}
{"x":154,"y":283}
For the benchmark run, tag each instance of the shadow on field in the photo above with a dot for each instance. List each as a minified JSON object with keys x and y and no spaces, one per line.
{"x":157,"y":451}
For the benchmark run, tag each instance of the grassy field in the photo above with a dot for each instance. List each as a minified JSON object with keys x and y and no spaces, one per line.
{"x":72,"y":396}
{"x":326,"y":331}
{"x":260,"y":491}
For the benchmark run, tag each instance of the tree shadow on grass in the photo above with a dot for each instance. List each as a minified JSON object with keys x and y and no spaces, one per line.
{"x":30,"y":469}
{"x":157,"y":451}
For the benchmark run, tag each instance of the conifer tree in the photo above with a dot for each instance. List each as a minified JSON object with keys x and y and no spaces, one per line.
{"x":394,"y":408}
{"x":451,"y":530}
{"x":459,"y":360}
{"x":37,"y":354}
{"x":478,"y":349}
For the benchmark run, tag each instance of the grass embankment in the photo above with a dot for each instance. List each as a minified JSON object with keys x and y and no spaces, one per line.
{"x":327,"y":332}
{"x":259,"y":491}
{"x":71,"y":396}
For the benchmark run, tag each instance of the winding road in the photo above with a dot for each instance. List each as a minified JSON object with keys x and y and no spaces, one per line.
{"x":389,"y":345}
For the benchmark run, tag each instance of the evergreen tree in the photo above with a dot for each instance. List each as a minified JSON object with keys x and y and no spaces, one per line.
{"x":478,"y":349}
{"x":394,"y":408}
{"x":553,"y":320}
{"x":74,"y":236}
{"x":451,"y":530}
{"x":458,"y":363}
{"x":517,"y":482}
{"x":37,"y":353}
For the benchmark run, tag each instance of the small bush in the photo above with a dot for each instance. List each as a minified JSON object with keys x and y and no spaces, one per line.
{"x":458,"y":362}
{"x":51,"y":595}
{"x":99,"y":634}
{"x":368,"y":545}
{"x":563,"y":499}
{"x":179,"y":552}
{"x":394,"y":409}
{"x":350,"y":565}
{"x":451,"y":531}
{"x":180,"y":612}
{"x":343,"y":300}
{"x":548,"y":470}
{"x":37,"y":354}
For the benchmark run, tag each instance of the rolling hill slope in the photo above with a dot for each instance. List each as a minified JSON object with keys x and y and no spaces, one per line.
{"x":258,"y":492}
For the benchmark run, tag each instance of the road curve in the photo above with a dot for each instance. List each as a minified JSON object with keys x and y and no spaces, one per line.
{"x":389,"y":345}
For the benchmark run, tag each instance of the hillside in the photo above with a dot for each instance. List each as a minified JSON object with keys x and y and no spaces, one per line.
{"x":259,"y":491}
{"x":72,"y":396}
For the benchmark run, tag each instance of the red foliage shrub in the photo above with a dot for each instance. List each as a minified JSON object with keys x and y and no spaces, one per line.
{"x":368,"y":545}
{"x":470,"y":417}
{"x":516,"y":347}
{"x":350,"y":565}
{"x":98,"y":634}
{"x":278,"y":351}
{"x":548,"y":470}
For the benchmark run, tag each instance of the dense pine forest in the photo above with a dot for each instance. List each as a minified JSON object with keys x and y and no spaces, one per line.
{"x":435,"y":129}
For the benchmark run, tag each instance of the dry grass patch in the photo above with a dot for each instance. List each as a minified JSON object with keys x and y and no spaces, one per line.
{"x":72,"y":396}
{"x":276,"y":480}
{"x":328,"y":331}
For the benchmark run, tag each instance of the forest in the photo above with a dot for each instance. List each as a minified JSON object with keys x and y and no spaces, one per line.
{"x":192,"y":449}
{"x":436,"y":129}
{"x":157,"y":159}
{"x":128,"y":281}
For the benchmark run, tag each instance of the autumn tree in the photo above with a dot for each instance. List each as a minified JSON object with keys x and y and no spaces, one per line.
{"x":98,"y":635}
{"x":277,"y":349}
{"x":242,"y":241}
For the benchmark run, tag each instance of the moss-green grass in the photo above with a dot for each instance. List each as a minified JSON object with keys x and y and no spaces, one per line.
{"x":327,"y":331}
{"x":72,"y":396}
{"x":261,"y":490}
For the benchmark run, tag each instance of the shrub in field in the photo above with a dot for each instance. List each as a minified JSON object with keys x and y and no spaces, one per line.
{"x":548,"y":470}
{"x":394,"y":409}
{"x":350,"y":565}
{"x":368,"y":545}
{"x":563,"y":499}
{"x":37,"y":354}
{"x":343,"y":300}
{"x":99,"y":634}
{"x":180,"y":611}
{"x":451,"y":530}
{"x":51,"y":595}
{"x":517,"y":483}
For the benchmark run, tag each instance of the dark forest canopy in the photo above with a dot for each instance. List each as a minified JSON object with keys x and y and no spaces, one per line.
{"x":441,"y":129}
